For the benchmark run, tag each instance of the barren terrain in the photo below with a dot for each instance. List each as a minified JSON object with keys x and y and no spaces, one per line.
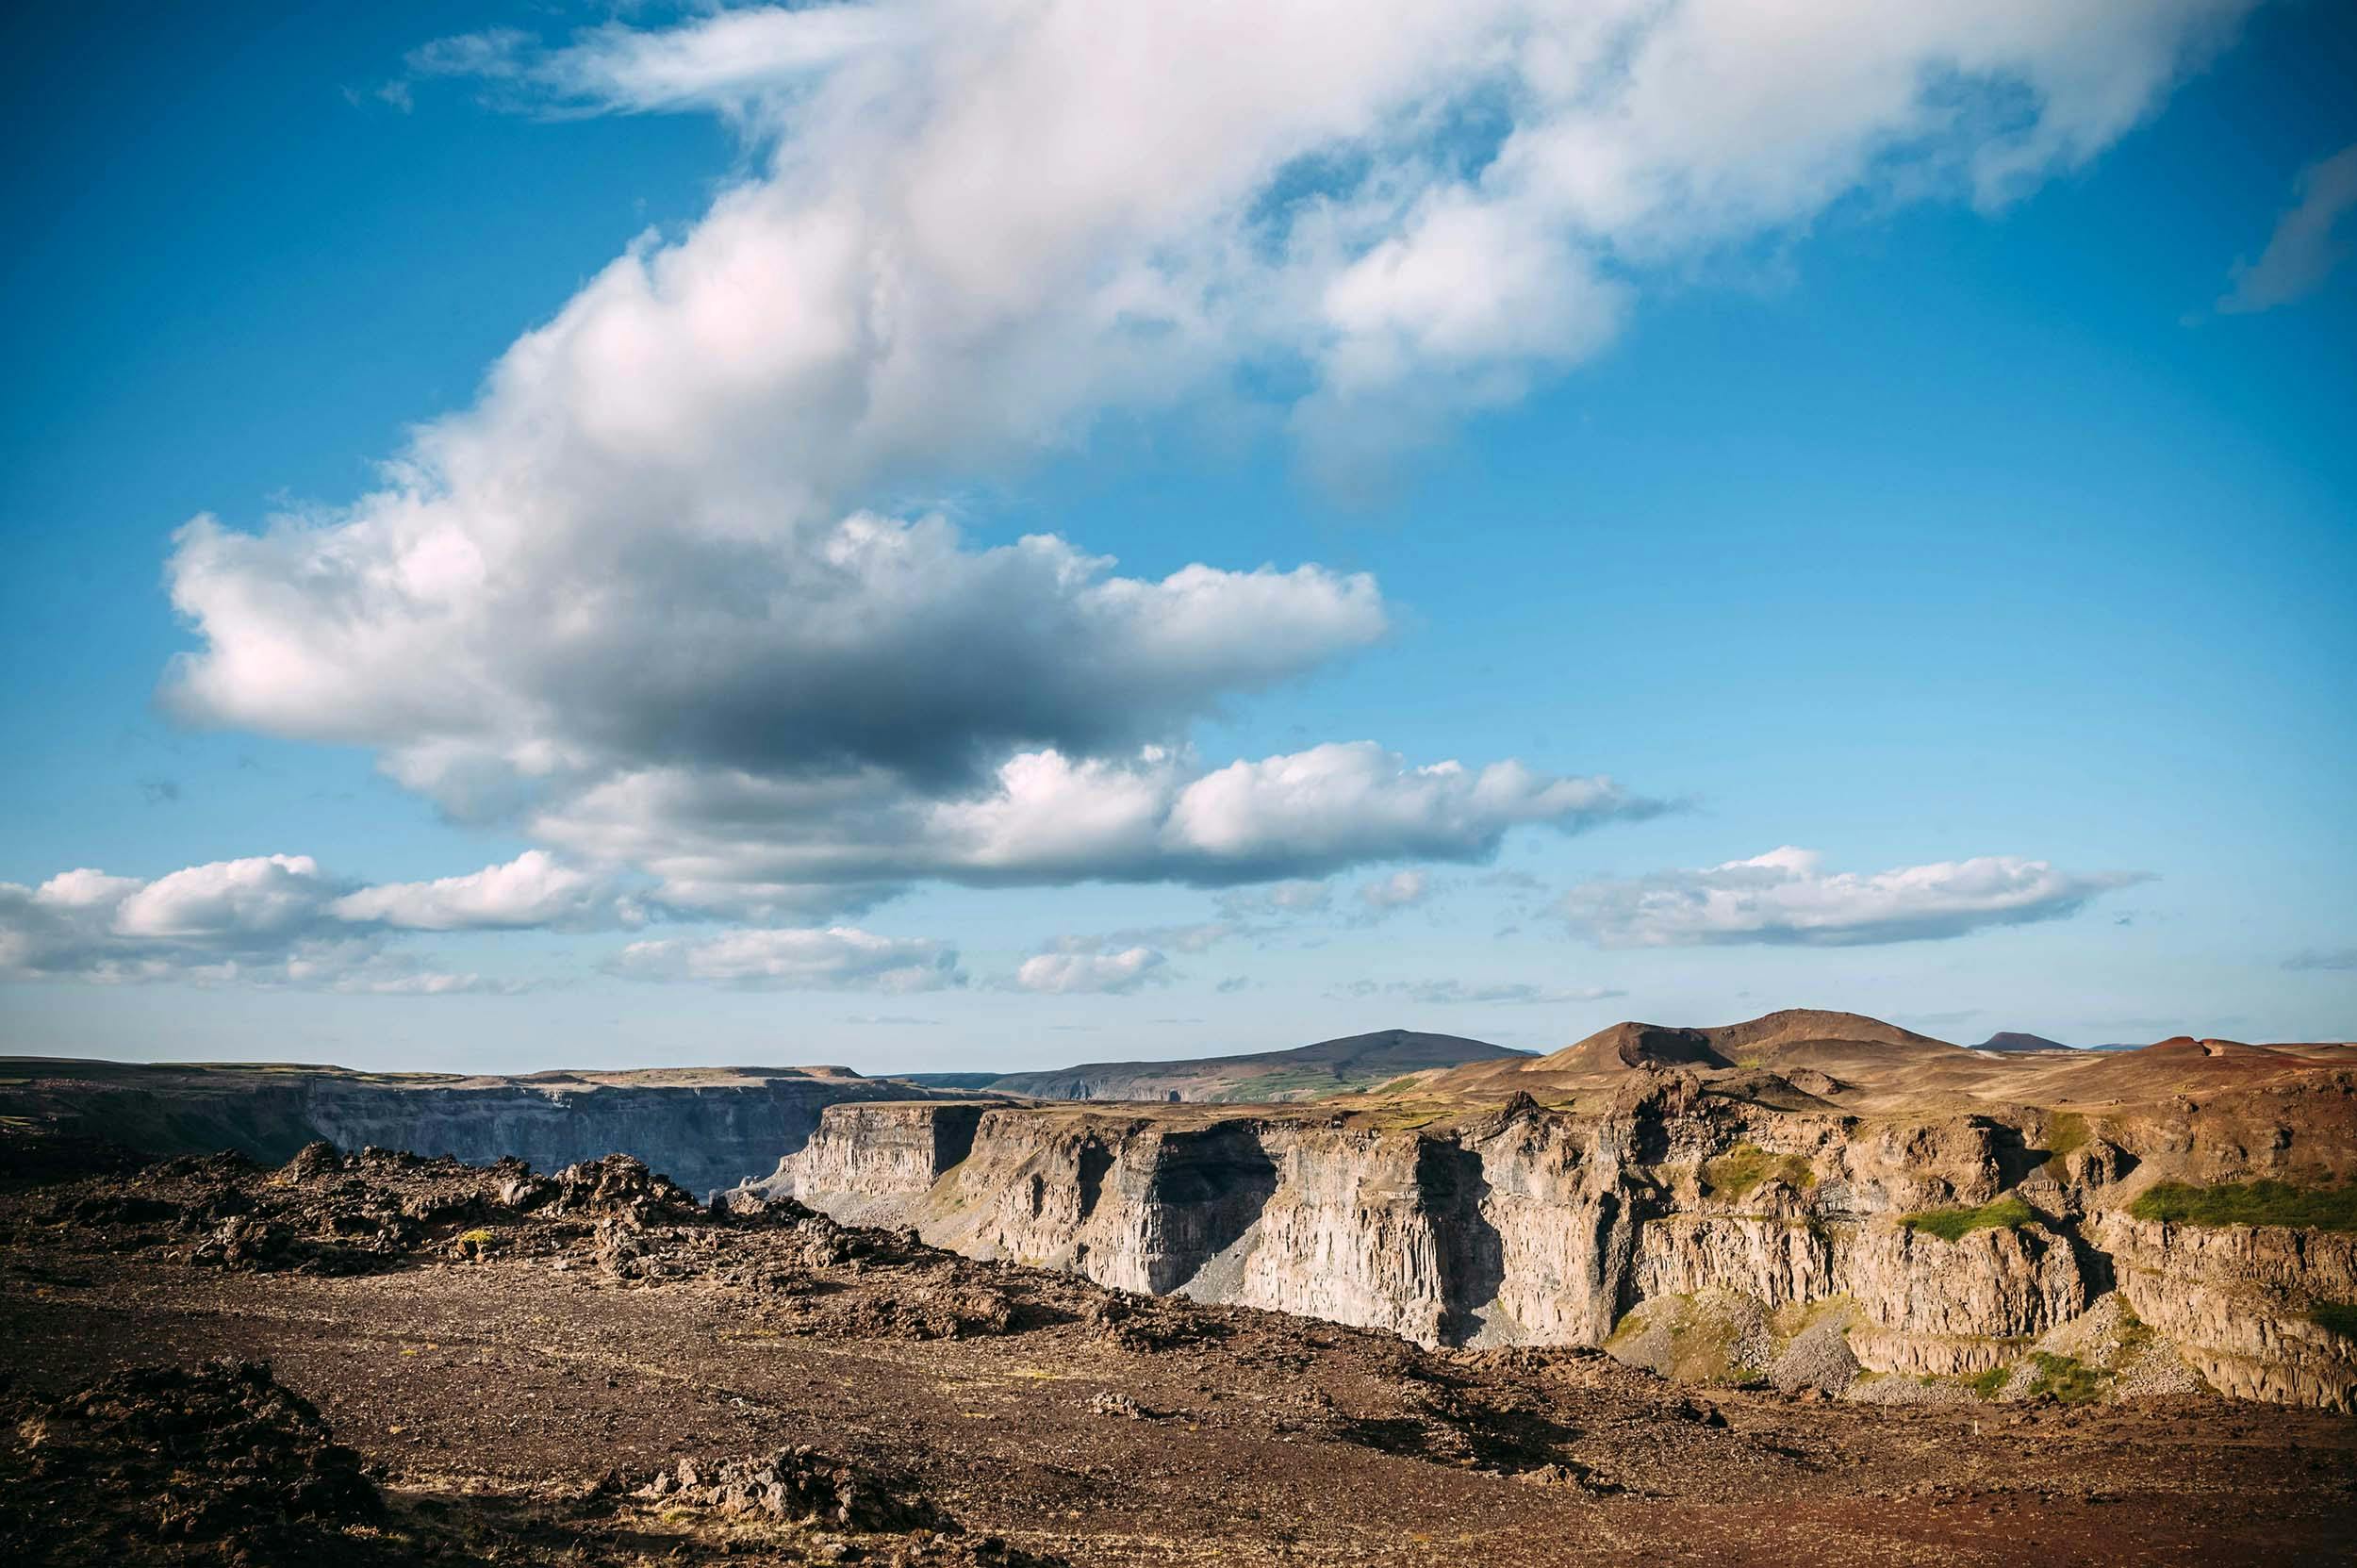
{"x":599,"y":1369}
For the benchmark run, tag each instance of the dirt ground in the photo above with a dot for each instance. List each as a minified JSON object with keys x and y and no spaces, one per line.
{"x":523,"y":1365}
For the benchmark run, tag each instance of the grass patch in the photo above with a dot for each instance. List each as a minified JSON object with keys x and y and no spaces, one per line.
{"x":1952,"y":1225}
{"x":1988,"y":1385}
{"x":2335,"y":1317}
{"x":2065,"y":1379}
{"x":2251,"y":1203}
{"x":2066,"y":1131}
{"x":1746,"y":1166}
{"x":1396,"y":1085}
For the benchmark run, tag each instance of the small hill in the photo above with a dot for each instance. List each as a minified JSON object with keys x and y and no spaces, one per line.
{"x":2008,"y":1039}
{"x":1339,"y":1066}
{"x":1775,"y":1037}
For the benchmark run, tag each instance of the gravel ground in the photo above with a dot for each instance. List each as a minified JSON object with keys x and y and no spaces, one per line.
{"x":517,"y":1360}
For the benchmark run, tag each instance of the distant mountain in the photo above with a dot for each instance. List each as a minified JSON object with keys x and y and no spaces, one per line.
{"x":948,"y":1080}
{"x":1748,"y":1044}
{"x":1338,"y":1066}
{"x":2008,"y":1039}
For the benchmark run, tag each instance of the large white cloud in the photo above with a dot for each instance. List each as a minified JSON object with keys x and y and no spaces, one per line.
{"x":659,"y":590}
{"x":733,"y":842}
{"x":1786,"y":897}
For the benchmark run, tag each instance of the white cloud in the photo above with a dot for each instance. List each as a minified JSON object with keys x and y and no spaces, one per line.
{"x":531,"y":890}
{"x":730,"y":841}
{"x":661,"y":592}
{"x":1400,"y":890}
{"x":834,"y":958}
{"x":1444,"y":993}
{"x":1785,"y":897}
{"x":2308,"y":243}
{"x":228,"y":898}
{"x":277,"y":920}
{"x":1113,"y":973}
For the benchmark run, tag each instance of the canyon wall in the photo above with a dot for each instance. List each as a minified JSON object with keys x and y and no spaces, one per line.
{"x":1525,"y":1225}
{"x":707,"y":1129}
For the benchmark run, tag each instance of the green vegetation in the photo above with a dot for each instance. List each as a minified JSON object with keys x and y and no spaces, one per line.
{"x":2065,"y":1132}
{"x":1951,"y":1225}
{"x":1396,"y":1085}
{"x":2335,"y":1317}
{"x":1746,"y":1166}
{"x":2065,"y":1379}
{"x":1990,"y":1383}
{"x":2251,"y":1203}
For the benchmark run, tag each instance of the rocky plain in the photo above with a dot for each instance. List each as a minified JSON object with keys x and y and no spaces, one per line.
{"x":1810,"y":1288}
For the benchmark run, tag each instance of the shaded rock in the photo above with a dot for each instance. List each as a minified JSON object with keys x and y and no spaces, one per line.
{"x":222,"y":1458}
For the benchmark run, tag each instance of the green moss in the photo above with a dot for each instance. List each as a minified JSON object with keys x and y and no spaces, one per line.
{"x":2335,"y":1317}
{"x":1746,"y":1166}
{"x":2065,"y":1379}
{"x":1990,"y":1383}
{"x":2251,"y":1203}
{"x":1951,"y":1225}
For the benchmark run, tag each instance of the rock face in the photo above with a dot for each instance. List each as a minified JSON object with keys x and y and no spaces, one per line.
{"x":2236,"y":1303}
{"x":707,"y":1129}
{"x":1527,"y":1226}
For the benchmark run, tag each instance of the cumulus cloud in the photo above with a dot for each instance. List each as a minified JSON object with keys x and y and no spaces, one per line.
{"x":1443,"y":992}
{"x":277,"y":920}
{"x":662,"y":592}
{"x":1105,"y":973}
{"x":533,"y":890}
{"x":834,"y":958}
{"x":732,"y":841}
{"x":1785,"y":897}
{"x":2310,"y":240}
{"x":259,"y":897}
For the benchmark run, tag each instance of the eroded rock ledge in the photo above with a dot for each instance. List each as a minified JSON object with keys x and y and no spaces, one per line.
{"x":1704,"y":1227}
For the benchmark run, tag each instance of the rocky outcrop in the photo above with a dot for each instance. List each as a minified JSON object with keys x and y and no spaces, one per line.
{"x":2240,"y":1302}
{"x":1525,"y":1225}
{"x":2005,"y":1283}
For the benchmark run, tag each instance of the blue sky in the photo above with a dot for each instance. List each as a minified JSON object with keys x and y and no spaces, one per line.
{"x":1950,"y":479}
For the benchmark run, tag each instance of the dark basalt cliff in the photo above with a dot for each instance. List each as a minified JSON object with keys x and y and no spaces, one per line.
{"x":707,"y":1129}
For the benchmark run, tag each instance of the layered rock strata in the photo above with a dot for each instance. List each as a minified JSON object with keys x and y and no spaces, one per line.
{"x":1529,"y":1225}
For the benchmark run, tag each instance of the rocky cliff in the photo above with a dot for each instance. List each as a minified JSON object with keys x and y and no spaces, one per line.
{"x":707,"y":1129}
{"x":1713,"y":1220}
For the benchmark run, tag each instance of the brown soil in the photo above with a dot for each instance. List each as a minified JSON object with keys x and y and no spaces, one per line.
{"x":591,"y":1369}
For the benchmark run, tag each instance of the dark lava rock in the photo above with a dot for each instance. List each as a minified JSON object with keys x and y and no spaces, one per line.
{"x":171,"y":1463}
{"x":620,"y":1186}
{"x":799,"y":1486}
{"x":314,"y":1160}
